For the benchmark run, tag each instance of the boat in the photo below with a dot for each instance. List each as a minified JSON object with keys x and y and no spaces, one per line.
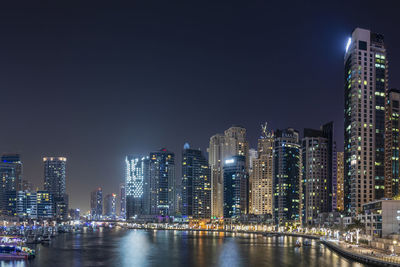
{"x":306,"y":243}
{"x":11,"y":252}
{"x":298,"y":243}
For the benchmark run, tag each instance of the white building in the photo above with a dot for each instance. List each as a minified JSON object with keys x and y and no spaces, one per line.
{"x":381,"y":217}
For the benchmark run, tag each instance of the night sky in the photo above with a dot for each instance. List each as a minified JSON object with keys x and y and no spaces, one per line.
{"x":96,"y":82}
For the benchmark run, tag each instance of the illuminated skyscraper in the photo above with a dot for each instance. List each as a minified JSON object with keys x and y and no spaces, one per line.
{"x":96,"y":204}
{"x":365,"y":86}
{"x":236,"y":187}
{"x":318,"y":172}
{"x":122,"y":200}
{"x":287,"y":176}
{"x":54,"y":183}
{"x":340,"y":181}
{"x":262,"y":175}
{"x":162,"y":183}
{"x":15,"y":161}
{"x":392,"y":144}
{"x":136,"y":177}
{"x":196,"y":184}
{"x":232,"y":142}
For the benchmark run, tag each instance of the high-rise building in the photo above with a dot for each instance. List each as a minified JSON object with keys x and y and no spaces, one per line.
{"x":340,"y":181}
{"x":365,"y":87}
{"x":196,"y":184}
{"x":287,"y":176}
{"x":236,"y":187}
{"x":110,"y":205}
{"x":392,"y":127}
{"x":54,"y":182}
{"x":222,"y":146}
{"x":10,"y":182}
{"x":162,"y":183}
{"x":262,"y":175}
{"x":44,"y":204}
{"x":15,"y":161}
{"x":96,"y":204}
{"x":122,"y":201}
{"x":317,"y":178}
{"x":136,"y":179}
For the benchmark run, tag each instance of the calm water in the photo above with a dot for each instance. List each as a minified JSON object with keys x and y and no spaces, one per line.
{"x":178,"y":248}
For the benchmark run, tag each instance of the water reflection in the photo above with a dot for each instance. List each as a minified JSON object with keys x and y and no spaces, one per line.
{"x":134,"y":249}
{"x":126,"y":248}
{"x":229,"y":255}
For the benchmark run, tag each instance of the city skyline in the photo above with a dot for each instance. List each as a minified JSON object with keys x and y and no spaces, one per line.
{"x":96,"y":146}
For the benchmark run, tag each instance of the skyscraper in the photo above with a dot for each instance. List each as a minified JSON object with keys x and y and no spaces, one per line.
{"x":110,"y":205}
{"x":196,"y":184}
{"x":15,"y":161}
{"x":222,"y":146}
{"x":392,"y":144}
{"x":10,"y":182}
{"x":96,"y":204}
{"x":54,"y":183}
{"x":162,"y":183}
{"x":340,"y":181}
{"x":122,"y":201}
{"x":365,"y":87}
{"x":262,"y":175}
{"x":236,"y":181}
{"x":317,"y":176}
{"x":287,"y":175}
{"x":137,"y":175}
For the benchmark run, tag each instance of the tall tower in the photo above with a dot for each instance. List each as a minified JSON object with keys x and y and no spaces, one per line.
{"x":96,"y":204}
{"x":392,"y":144}
{"x":236,"y":198}
{"x":365,"y":87}
{"x":54,"y":183}
{"x":262,"y":175}
{"x":196,"y":184}
{"x":318,"y":172}
{"x":122,"y":201}
{"x":14,"y":160}
{"x":222,"y":146}
{"x":10,"y":182}
{"x":137,"y":173}
{"x":287,"y":176}
{"x":162,"y":183}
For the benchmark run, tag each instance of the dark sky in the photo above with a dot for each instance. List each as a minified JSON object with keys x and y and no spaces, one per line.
{"x":96,"y":82}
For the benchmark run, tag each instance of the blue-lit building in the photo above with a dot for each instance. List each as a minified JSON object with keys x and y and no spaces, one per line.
{"x":137,"y":186}
{"x":236,"y":187}
{"x":26,"y":204}
{"x":10,"y":182}
{"x":196,"y":184}
{"x":287,"y":164}
{"x":162,"y":183}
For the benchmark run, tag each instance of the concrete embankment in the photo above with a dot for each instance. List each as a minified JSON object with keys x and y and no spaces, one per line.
{"x":370,"y":260}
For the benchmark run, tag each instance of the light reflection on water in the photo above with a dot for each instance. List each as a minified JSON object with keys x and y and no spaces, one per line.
{"x":127,"y":248}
